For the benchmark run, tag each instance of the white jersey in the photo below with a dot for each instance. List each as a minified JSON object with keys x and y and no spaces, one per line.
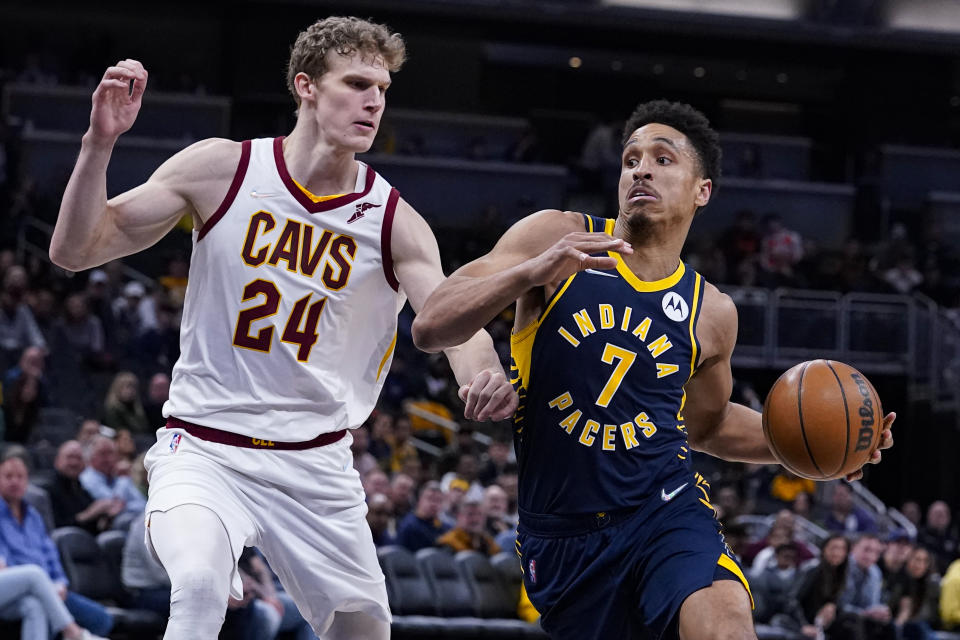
{"x":290,"y":317}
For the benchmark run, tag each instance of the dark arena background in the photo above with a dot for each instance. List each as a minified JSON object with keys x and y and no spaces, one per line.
{"x":835,"y":228}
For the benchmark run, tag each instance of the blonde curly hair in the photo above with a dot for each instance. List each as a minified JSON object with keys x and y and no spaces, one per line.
{"x":345,"y":36}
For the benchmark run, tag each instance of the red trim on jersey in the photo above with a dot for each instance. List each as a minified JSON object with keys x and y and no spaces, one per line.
{"x":231,"y":194}
{"x":301,"y":197}
{"x":237,"y":440}
{"x":386,"y":233}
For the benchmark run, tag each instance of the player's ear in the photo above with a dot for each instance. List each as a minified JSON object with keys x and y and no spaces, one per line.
{"x":704,"y":189}
{"x":305,"y":86}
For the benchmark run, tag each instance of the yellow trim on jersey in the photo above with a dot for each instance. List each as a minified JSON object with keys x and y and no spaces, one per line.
{"x":521,"y":342}
{"x":590,"y":224}
{"x":313,"y":197}
{"x":608,"y":225}
{"x":556,"y":296}
{"x":727,"y":563}
{"x":387,"y":354}
{"x":631,"y":277}
{"x":693,"y":315}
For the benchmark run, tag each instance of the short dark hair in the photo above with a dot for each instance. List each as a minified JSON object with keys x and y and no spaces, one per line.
{"x":688,"y":121}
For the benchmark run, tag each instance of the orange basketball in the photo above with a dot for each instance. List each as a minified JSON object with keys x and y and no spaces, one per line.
{"x":822,"y":419}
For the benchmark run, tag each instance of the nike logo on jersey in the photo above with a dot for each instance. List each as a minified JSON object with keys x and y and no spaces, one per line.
{"x":363,"y":206}
{"x":600,"y":273}
{"x":262,"y":194}
{"x":667,"y":497}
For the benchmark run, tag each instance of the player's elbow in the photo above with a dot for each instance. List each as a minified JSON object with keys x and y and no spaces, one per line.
{"x":426,"y":334}
{"x":60,"y":256}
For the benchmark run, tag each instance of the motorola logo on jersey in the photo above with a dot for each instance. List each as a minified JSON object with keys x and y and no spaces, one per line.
{"x":675,"y":307}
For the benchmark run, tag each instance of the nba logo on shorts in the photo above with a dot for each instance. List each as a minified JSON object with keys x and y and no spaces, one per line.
{"x":175,"y":442}
{"x":533,"y":572}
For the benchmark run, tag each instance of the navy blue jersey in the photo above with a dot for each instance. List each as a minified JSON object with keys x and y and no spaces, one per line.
{"x":601,"y":378}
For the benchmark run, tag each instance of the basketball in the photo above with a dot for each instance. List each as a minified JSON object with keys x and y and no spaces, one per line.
{"x":822,"y":419}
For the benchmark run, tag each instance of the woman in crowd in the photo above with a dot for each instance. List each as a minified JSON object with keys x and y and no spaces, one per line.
{"x":914,"y":597}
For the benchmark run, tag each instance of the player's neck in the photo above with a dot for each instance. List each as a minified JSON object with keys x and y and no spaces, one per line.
{"x":656,"y":248}
{"x":320,"y":167}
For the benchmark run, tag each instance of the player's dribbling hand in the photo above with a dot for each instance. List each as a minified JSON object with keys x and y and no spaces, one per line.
{"x":886,"y":441}
{"x":489,"y":396}
{"x":115,"y":102}
{"x":572,"y":254}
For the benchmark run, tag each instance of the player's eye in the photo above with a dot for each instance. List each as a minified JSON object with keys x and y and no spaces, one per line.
{"x":664,"y":160}
{"x":631,"y":162}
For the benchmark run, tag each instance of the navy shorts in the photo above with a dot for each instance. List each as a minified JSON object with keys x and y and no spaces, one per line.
{"x":624,"y":574}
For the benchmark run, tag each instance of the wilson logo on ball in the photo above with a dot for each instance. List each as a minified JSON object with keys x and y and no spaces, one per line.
{"x":865,"y":435}
{"x":675,"y":307}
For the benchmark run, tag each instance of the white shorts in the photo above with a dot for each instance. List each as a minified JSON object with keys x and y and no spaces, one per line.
{"x":305,"y":511}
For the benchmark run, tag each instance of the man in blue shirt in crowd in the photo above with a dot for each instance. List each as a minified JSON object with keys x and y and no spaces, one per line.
{"x":24,"y":540}
{"x":100,"y":482}
{"x":421,"y":527}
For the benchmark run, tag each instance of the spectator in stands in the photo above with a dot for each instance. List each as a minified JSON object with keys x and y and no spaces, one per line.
{"x":911,"y":511}
{"x":101,"y":481}
{"x":174,"y":282}
{"x":938,"y":536}
{"x":18,"y":328}
{"x":844,"y":516}
{"x":27,"y":594}
{"x":122,"y":408}
{"x":135,"y":314}
{"x":100,"y":302}
{"x":761,"y":554}
{"x":903,"y":277}
{"x":772,"y":587}
{"x":24,"y":541}
{"x":495,"y":508}
{"x":381,"y":435}
{"x":494,"y":462}
{"x":802,"y":505}
{"x":895,"y":554}
{"x":72,"y":505}
{"x":158,"y":346}
{"x":401,"y":494}
{"x":863,"y":594}
{"x":726,"y":500}
{"x":24,"y":392}
{"x":453,"y":495}
{"x":815,"y":601}
{"x":950,"y":597}
{"x":786,"y":486}
{"x":463,"y":443}
{"x":508,"y":482}
{"x":915,"y":596}
{"x":466,"y":471}
{"x":363,"y":460}
{"x":268,"y":609}
{"x":469,"y":534}
{"x":781,"y":250}
{"x":89,"y":429}
{"x":126,"y":449}
{"x":400,"y":447}
{"x":376,"y":481}
{"x":380,"y":519}
{"x":43,"y":304}
{"x":158,"y":392}
{"x":78,"y":335}
{"x":421,"y":527}
{"x":736,"y":536}
{"x":600,"y":152}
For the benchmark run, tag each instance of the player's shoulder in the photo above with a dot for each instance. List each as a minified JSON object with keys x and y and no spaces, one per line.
{"x":206,"y":159}
{"x":548,"y":225}
{"x":718,"y":317}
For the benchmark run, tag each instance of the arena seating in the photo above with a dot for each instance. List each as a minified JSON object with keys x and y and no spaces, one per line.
{"x":95,"y":574}
{"x":438,"y":594}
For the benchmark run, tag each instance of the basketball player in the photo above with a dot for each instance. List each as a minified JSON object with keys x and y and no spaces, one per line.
{"x":621,"y":354}
{"x":302,"y":258}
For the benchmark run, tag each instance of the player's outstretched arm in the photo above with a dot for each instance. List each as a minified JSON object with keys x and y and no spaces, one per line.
{"x":484,"y":387}
{"x":714,"y":424}
{"x":541,"y":249}
{"x":91,"y":229}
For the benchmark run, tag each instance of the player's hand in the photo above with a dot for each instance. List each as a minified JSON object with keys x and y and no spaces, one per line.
{"x":572,"y":254}
{"x":489,"y":396}
{"x":886,"y":441}
{"x":115,"y":103}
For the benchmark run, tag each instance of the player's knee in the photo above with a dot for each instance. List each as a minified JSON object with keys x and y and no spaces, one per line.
{"x":199,"y":588}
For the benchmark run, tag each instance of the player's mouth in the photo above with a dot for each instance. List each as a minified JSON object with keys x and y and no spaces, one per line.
{"x":365,"y":125}
{"x":641,"y":193}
